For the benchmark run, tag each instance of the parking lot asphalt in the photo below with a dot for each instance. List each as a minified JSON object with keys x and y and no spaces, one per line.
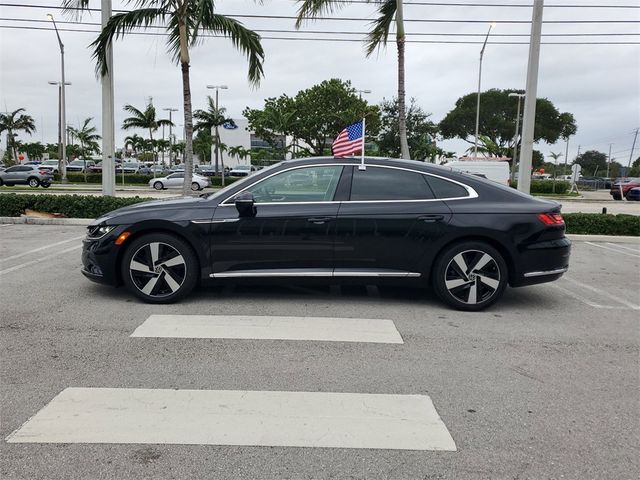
{"x":542,"y":385}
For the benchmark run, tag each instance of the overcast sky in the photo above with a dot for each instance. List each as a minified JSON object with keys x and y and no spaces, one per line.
{"x":599,"y":84}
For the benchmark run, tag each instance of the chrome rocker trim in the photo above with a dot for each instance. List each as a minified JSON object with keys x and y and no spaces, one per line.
{"x":320,"y":272}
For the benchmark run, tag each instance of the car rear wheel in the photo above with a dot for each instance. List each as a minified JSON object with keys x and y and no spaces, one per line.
{"x":33,"y":182}
{"x":158,"y":186}
{"x":160,"y":268}
{"x":1,"y":182}
{"x":195,"y":186}
{"x":45,"y":185}
{"x":470,"y":276}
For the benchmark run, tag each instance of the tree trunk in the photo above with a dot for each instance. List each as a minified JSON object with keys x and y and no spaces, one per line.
{"x":402,"y":111}
{"x":188,"y":130}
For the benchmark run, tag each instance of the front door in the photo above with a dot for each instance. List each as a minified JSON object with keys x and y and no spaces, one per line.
{"x":292,"y":232}
{"x":389,"y":223}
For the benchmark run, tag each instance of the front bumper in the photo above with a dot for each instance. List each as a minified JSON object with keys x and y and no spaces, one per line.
{"x":100,"y":259}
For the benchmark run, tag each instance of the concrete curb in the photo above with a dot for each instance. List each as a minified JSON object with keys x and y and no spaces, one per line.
{"x":45,"y":221}
{"x":603,"y":238}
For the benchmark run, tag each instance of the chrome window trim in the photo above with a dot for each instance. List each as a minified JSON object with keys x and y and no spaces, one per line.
{"x":471,"y":191}
{"x":547,"y":272}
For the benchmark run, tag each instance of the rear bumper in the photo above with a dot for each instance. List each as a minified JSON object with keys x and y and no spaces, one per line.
{"x":542,"y":262}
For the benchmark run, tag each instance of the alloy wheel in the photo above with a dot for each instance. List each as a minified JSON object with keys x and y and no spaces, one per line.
{"x":472,"y":277}
{"x":157,"y":269}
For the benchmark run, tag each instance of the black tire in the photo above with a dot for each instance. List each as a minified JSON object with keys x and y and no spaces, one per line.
{"x":195,"y":186}
{"x":158,"y":185}
{"x":45,"y":185}
{"x":1,"y":182}
{"x":33,"y":182}
{"x":461,"y":285}
{"x":155,"y":282}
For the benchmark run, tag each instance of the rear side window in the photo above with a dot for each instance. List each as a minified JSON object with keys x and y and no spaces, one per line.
{"x":377,"y":183}
{"x":445,"y":189}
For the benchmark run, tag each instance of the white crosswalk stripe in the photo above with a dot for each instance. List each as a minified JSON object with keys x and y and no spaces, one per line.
{"x":226,"y":417}
{"x":270,"y":328}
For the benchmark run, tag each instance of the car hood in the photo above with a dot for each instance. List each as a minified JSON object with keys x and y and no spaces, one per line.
{"x":153,"y":208}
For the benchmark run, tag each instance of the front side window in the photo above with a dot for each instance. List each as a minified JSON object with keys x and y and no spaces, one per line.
{"x":376,"y":183}
{"x":12,"y":169}
{"x":309,"y":184}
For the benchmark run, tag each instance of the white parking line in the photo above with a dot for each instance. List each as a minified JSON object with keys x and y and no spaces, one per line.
{"x":233,"y":417}
{"x":38,"y":260}
{"x":270,"y":328}
{"x":613,"y":250}
{"x":584,"y":300}
{"x":51,"y":245}
{"x":615,"y":298}
{"x":636,"y":250}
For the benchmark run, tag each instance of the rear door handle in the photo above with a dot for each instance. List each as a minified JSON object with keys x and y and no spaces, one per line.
{"x":431,"y":218}
{"x":319,"y":220}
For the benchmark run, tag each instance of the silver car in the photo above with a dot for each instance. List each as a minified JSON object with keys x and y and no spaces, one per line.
{"x":32,"y":175}
{"x":175,"y":180}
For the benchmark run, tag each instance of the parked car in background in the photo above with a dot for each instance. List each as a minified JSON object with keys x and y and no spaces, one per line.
{"x":176,"y":180}
{"x":634,"y":194}
{"x":158,"y":170}
{"x":128,"y":167}
{"x":51,"y":165}
{"x":31,"y":175}
{"x":206,"y":170}
{"x":79,"y":165}
{"x":177,"y":168}
{"x":496,"y":171}
{"x":242,"y":170}
{"x":623,"y":185}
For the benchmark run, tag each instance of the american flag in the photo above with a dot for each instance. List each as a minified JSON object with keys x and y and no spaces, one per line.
{"x":349,"y":141}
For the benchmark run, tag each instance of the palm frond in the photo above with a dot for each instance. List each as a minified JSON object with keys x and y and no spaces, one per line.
{"x":378,"y":36}
{"x":310,"y":9}
{"x":119,"y":25}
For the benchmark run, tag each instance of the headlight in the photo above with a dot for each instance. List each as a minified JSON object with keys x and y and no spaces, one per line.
{"x":99,"y":231}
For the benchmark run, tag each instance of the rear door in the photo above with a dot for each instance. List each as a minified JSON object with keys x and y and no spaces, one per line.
{"x":391,"y":219}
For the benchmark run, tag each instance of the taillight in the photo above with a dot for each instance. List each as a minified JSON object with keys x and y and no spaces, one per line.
{"x":551,"y":219}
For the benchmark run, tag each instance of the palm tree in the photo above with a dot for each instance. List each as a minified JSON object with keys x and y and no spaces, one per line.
{"x":376,"y":39}
{"x":88,"y":138}
{"x":145,"y":120}
{"x":555,"y":157}
{"x":209,"y":119}
{"x":12,"y":122}
{"x":237,"y":152}
{"x":135,"y":141}
{"x":184,"y":22}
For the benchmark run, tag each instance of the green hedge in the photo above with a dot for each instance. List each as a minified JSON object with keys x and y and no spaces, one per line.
{"x":85,"y":206}
{"x":599,"y":224}
{"x":546,"y":186}
{"x":74,"y":206}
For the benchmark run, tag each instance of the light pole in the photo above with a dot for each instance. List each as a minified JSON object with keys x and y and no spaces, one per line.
{"x":170,"y":110}
{"x":515,"y":138}
{"x":475,"y":146}
{"x":59,"y":120}
{"x":360,"y":92}
{"x":63,"y":108}
{"x":217,"y":134}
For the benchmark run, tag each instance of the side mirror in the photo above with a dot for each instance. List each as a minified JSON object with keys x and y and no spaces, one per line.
{"x":245,"y":204}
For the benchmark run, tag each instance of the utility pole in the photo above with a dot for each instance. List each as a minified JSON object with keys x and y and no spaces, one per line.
{"x":566,"y":158}
{"x":529,"y":120}
{"x":609,"y":160}
{"x":63,"y":109}
{"x":484,"y":45}
{"x":515,"y":138}
{"x":170,"y":110}
{"x":108,"y":119}
{"x":633,"y":147}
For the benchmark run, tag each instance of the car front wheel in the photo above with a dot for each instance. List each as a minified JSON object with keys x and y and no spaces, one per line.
{"x":158,"y":186}
{"x":470,"y":276}
{"x":33,"y":182}
{"x":160,"y":268}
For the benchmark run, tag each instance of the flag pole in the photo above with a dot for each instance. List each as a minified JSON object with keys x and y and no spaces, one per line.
{"x":362,"y":166}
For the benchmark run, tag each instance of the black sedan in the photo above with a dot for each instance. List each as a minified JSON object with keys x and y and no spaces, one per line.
{"x":333,"y":219}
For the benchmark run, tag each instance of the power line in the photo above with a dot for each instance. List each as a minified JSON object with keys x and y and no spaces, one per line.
{"x":508,"y":5}
{"x":353,"y":19}
{"x":332,"y":32}
{"x":309,"y":39}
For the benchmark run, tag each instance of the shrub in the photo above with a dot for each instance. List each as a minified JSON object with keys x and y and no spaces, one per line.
{"x":602,"y":224}
{"x":546,"y":186}
{"x":97,"y":178}
{"x":76,"y":206}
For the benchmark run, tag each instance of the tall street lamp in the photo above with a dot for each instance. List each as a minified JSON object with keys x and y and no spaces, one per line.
{"x":217,"y":134}
{"x":59,"y":120}
{"x":515,"y":138}
{"x":63,"y":108}
{"x":475,"y":146}
{"x":360,"y":92}
{"x":170,"y":110}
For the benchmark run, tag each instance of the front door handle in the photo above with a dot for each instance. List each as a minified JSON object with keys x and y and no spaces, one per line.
{"x":319,"y":220}
{"x":431,"y":218}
